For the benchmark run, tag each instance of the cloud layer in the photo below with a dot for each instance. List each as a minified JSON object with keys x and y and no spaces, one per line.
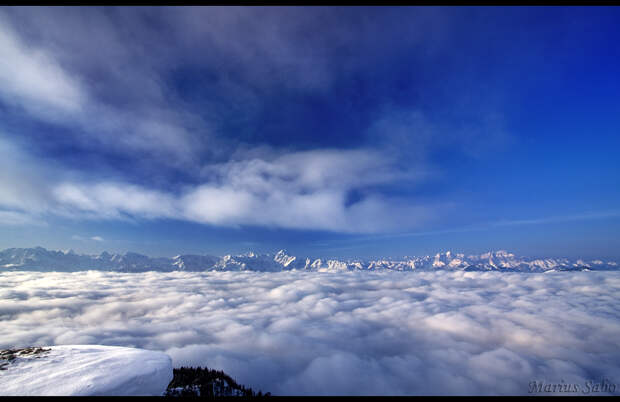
{"x":350,"y":333}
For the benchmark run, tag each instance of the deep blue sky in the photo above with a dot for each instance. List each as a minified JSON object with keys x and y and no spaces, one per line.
{"x":326,"y":131}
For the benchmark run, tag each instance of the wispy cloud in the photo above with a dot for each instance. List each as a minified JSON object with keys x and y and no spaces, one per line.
{"x":32,"y":79}
{"x":302,"y":190}
{"x":306,"y":190}
{"x":13,"y":218}
{"x":37,"y":79}
{"x":119,"y":96}
{"x":557,"y":219}
{"x":480,"y":227}
{"x":83,"y":238}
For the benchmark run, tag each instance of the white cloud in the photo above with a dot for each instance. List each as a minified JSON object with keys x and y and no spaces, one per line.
{"x":82,"y":238}
{"x":16,"y":218}
{"x":341,"y":333}
{"x":113,"y":199}
{"x":304,"y":190}
{"x":32,"y":79}
{"x":117,"y":97}
{"x":23,"y":183}
{"x":298,"y":190}
{"x":553,"y":219}
{"x":115,"y":82}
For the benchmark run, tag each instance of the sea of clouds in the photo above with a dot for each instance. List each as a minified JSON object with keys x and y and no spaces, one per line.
{"x":337,"y":333}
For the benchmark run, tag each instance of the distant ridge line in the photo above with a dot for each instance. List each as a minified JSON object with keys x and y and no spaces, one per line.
{"x":41,"y":259}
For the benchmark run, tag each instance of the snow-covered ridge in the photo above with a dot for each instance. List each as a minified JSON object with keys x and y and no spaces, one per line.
{"x":42,"y":259}
{"x":87,"y":370}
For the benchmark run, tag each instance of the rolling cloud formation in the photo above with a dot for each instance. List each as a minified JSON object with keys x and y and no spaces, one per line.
{"x":337,"y":333}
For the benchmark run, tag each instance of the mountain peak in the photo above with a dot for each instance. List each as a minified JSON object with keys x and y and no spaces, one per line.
{"x":283,"y":258}
{"x":43,"y":260}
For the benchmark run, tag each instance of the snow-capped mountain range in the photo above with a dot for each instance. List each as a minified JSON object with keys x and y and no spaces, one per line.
{"x":41,"y":259}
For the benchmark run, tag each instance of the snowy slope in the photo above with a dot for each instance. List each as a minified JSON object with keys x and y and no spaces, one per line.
{"x":46,"y":260}
{"x":88,"y":370}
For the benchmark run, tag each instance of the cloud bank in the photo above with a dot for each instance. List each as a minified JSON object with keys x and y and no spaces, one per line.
{"x":349,"y":333}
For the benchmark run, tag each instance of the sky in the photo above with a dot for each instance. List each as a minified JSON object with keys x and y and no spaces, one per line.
{"x":326,"y":131}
